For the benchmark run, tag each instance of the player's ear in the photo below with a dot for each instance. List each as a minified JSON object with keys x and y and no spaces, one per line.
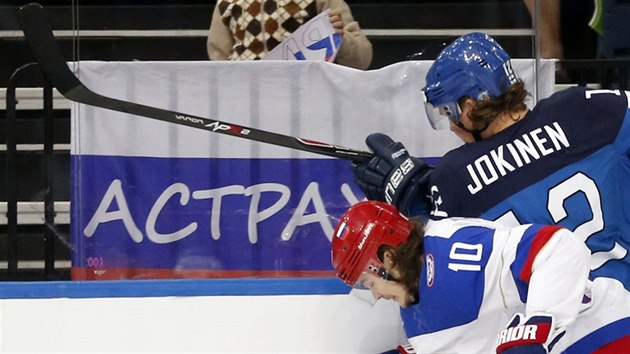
{"x":388,"y":259}
{"x":468,"y":105}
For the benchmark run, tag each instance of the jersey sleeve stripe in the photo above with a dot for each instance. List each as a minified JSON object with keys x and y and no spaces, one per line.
{"x":532,"y":241}
{"x":538,"y":242}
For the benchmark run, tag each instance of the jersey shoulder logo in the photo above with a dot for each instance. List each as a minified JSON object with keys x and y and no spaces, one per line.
{"x":430,"y":264}
{"x":436,"y":200}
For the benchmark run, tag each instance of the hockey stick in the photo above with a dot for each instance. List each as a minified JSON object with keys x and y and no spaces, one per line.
{"x":41,"y":40}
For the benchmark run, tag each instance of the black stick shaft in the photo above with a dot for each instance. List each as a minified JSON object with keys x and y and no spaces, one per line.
{"x":40,"y":38}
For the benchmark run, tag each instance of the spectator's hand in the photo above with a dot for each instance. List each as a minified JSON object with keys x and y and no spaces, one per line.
{"x":336,"y":21}
{"x":392,"y":175}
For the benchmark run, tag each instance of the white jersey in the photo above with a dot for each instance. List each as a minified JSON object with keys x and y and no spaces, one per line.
{"x":478,"y":274}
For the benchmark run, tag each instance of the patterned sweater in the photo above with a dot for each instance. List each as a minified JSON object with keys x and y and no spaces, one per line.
{"x":248,"y":29}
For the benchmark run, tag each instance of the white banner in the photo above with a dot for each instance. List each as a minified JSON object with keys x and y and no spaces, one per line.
{"x":154,"y":199}
{"x":315,"y":100}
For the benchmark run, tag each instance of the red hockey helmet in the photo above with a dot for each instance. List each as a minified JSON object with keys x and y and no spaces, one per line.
{"x":361,"y":231}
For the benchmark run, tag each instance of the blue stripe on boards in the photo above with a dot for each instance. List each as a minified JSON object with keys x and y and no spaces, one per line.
{"x":176,"y":287}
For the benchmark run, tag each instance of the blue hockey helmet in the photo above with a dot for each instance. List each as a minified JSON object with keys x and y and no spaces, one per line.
{"x":475,"y":66}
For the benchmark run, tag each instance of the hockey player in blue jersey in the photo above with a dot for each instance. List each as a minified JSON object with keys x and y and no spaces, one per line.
{"x":469,"y":285}
{"x":565,"y":162}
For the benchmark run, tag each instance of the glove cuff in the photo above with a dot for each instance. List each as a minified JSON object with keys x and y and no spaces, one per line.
{"x":535,"y":332}
{"x":406,"y":348}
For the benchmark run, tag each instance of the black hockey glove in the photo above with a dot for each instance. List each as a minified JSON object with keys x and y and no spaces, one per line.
{"x":392,"y":175}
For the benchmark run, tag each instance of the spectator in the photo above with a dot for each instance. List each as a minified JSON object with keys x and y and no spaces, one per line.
{"x":549,"y":27}
{"x":564,"y":28}
{"x":248,"y":29}
{"x":612,"y":24}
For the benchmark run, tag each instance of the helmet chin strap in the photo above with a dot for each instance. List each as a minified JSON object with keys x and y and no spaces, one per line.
{"x":476,"y":133}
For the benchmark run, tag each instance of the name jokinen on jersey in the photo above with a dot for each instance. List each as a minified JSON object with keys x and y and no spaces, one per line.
{"x":562,"y":164}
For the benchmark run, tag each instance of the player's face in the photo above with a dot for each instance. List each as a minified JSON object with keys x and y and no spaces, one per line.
{"x":464,"y":118}
{"x":386,"y":289}
{"x":462,"y":134}
{"x":384,"y":283}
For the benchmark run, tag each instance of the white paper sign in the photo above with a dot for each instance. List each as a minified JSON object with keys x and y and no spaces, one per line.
{"x":314,"y":40}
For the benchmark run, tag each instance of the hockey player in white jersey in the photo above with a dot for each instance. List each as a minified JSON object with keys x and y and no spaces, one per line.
{"x":468,"y":285}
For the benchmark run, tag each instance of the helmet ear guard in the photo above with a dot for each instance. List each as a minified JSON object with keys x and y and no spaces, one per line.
{"x":361,"y":232}
{"x":474,"y":65}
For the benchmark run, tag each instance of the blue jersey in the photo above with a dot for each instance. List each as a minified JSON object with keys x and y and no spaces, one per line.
{"x":567,"y":162}
{"x":477,"y":274}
